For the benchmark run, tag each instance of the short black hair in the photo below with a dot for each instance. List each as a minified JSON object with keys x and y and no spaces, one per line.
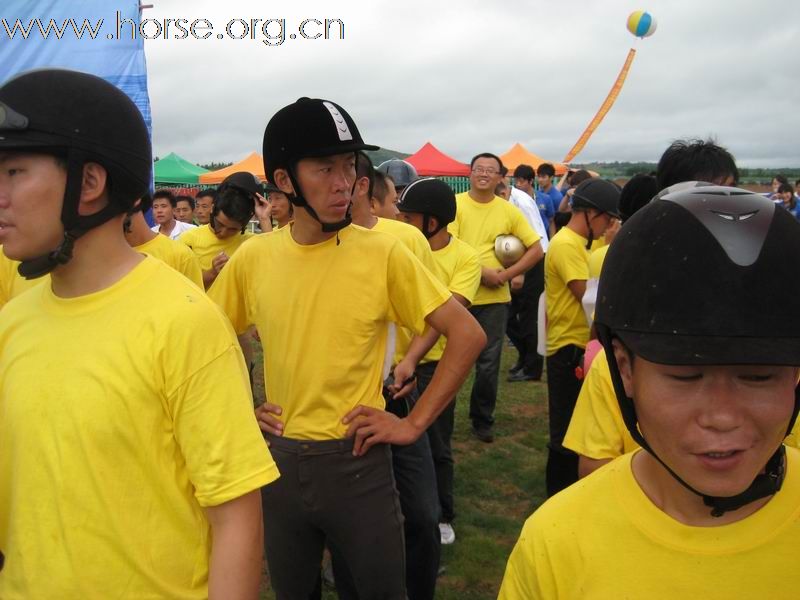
{"x":579,"y":177}
{"x":165,"y":194}
{"x":380,"y":186}
{"x":183,"y":198}
{"x":635,"y":194}
{"x":236,"y":204}
{"x":364,"y":168}
{"x":781,"y":178}
{"x":207,"y":193}
{"x":695,"y":160}
{"x":785,"y":187}
{"x":546,"y":169}
{"x":487,"y":155}
{"x":526,"y":172}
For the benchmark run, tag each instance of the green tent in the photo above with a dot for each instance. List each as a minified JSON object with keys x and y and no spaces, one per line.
{"x":174,"y":169}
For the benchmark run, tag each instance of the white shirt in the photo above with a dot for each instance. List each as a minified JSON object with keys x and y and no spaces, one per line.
{"x":531,"y":213}
{"x":176,"y":232}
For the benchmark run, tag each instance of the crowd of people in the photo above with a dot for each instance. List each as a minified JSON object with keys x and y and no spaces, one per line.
{"x":132,"y":460}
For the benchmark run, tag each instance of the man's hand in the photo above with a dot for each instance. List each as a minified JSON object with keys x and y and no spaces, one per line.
{"x":219,"y":262}
{"x":492,"y":278}
{"x":404,"y":380}
{"x":263,"y":208}
{"x":517,"y":282}
{"x":372,"y":426}
{"x":267,"y":416}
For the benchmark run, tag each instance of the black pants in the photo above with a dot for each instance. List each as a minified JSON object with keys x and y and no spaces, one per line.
{"x":416,"y":483}
{"x":522,"y":327}
{"x":327,"y":495}
{"x":563,"y":388}
{"x":492,"y":318}
{"x":440,"y":434}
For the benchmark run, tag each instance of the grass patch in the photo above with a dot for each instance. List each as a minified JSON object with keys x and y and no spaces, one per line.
{"x":497,"y":486}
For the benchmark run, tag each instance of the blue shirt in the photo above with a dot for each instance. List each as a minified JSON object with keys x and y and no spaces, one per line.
{"x":548,"y":203}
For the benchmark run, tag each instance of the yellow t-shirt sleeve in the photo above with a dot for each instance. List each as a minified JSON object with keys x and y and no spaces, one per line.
{"x":570,"y":264}
{"x":228,"y":292}
{"x":467,"y":277}
{"x":215,"y":427}
{"x":414,"y":292}
{"x":596,"y":429}
{"x":527,"y":576}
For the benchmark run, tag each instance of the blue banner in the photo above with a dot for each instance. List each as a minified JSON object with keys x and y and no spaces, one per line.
{"x":94,"y":36}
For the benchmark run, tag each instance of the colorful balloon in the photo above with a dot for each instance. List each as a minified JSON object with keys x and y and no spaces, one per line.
{"x":641,"y":24}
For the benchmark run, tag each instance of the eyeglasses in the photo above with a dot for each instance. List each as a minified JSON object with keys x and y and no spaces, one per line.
{"x":11,"y":119}
{"x":482,"y":171}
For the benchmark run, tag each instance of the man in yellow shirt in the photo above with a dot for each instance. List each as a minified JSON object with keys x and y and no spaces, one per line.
{"x":321,"y":293}
{"x":430,"y":205}
{"x":130,"y":461}
{"x":234,"y":206}
{"x":481,"y":216}
{"x":566,"y":270}
{"x":707,"y":383}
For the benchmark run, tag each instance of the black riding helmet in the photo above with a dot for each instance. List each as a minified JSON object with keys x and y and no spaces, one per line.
{"x":429,"y":197}
{"x":600,"y":194}
{"x":701,"y":245}
{"x":309,"y":128}
{"x":81,"y":118}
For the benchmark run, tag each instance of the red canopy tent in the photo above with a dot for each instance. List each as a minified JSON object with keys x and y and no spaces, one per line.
{"x":429,"y":161}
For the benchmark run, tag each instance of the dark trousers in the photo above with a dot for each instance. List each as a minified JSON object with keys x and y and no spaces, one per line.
{"x":416,"y":483}
{"x":440,"y":434}
{"x":522,"y":327}
{"x":492,"y":318}
{"x":563,"y":388}
{"x":327,"y":495}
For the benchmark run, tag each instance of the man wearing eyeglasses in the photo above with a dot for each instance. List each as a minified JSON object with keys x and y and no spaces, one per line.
{"x":481,"y":216}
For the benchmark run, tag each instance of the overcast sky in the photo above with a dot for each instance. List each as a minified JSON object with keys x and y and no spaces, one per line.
{"x":475,"y":76}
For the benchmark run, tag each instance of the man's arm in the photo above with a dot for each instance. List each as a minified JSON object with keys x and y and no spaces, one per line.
{"x":465,"y":340}
{"x":578,"y":288}
{"x":587,"y":465}
{"x":532,"y":256}
{"x":237,"y":548}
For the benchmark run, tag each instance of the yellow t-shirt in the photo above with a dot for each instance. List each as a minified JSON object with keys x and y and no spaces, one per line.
{"x":206,"y":245}
{"x":122,"y":414}
{"x":596,"y":259}
{"x":479,"y":224}
{"x":322,"y":313}
{"x":411,"y":237}
{"x":566,"y":260}
{"x":596,"y":429}
{"x":176,"y":255}
{"x":603,"y":538}
{"x":457,"y":267}
{"x":598,"y":243}
{"x":12,"y":284}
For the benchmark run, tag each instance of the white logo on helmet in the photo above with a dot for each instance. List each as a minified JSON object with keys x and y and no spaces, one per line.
{"x":341,"y":125}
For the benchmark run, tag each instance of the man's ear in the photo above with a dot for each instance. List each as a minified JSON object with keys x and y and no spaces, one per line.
{"x":625,"y":366}
{"x":433,"y":223}
{"x":94,"y":189}
{"x":362,"y":186}
{"x":283,"y":181}
{"x":374,"y":205}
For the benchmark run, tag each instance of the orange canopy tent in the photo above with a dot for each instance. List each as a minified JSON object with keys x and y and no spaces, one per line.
{"x":253,"y":164}
{"x":429,"y":161}
{"x":519,"y":155}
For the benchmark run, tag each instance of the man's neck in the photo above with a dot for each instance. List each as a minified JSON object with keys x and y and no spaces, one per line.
{"x":167,"y":227}
{"x":546,"y":188}
{"x":440,"y":240}
{"x":674,"y":499}
{"x":361,"y":213}
{"x":577,"y":223}
{"x":482,"y":196}
{"x":306,"y":231}
{"x":100,"y":258}
{"x":139,"y":232}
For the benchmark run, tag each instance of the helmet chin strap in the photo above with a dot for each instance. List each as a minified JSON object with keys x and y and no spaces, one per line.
{"x":74,"y":224}
{"x":589,"y":227}
{"x":764,"y":485}
{"x":426,"y":219}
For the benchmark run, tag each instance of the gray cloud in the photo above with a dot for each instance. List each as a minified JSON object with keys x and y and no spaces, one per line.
{"x":472,"y":76}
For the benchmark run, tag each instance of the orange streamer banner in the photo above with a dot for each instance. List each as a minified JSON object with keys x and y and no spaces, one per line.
{"x":609,"y":102}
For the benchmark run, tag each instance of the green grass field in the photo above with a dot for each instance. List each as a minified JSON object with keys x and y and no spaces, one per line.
{"x":497,"y":486}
